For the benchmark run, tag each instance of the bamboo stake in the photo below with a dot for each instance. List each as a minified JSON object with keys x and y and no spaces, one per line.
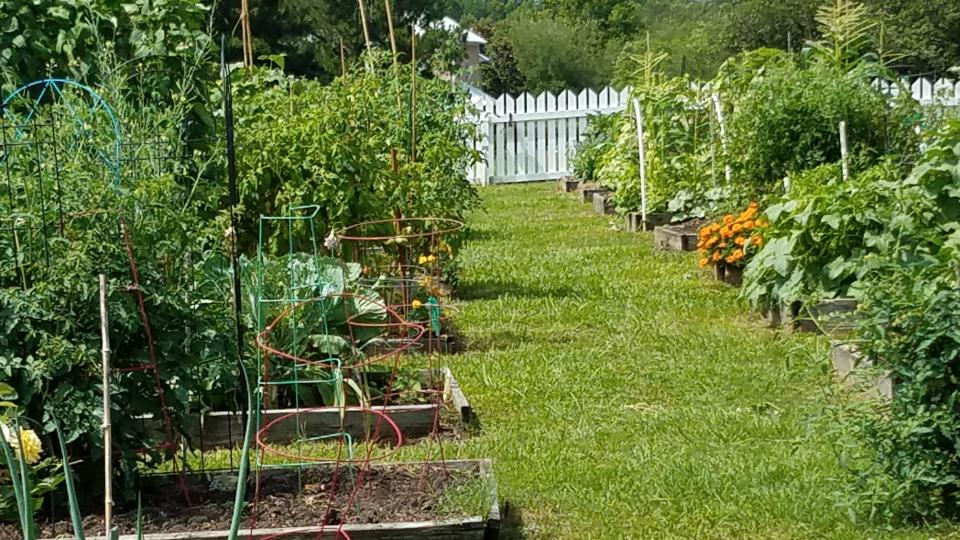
{"x":844,"y":152}
{"x":107,"y":435}
{"x":343,"y":58}
{"x":638,"y":112}
{"x":393,"y":37}
{"x":413,"y":95}
{"x":247,"y":34}
{"x":363,"y":20}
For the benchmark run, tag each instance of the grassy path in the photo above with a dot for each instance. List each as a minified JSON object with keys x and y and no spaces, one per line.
{"x":625,"y":395}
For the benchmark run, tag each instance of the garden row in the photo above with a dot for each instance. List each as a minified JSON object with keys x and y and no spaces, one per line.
{"x":277,"y":258}
{"x":834,"y":207}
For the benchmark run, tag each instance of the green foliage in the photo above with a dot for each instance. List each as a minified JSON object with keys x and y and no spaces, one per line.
{"x":65,"y":38}
{"x":501,"y":75}
{"x":787,"y":120}
{"x":307,"y":144}
{"x":556,"y":54}
{"x":910,"y":331}
{"x":820,"y":235}
{"x":602,"y":131}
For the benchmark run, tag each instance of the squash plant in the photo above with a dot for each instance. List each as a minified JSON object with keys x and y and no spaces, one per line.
{"x":820,"y":233}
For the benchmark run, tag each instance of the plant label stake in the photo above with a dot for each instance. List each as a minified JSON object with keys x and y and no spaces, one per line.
{"x":844,"y":152}
{"x":107,"y":436}
{"x":638,"y":112}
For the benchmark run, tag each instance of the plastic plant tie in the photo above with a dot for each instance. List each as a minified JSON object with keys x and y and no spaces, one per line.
{"x":434,"y":315}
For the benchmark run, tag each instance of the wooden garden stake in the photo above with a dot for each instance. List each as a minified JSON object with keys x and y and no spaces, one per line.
{"x":413,"y":93}
{"x":393,"y":37}
{"x":638,"y":112}
{"x":844,"y":152}
{"x":363,"y":21}
{"x":247,"y":34}
{"x":343,"y":58}
{"x":107,"y":435}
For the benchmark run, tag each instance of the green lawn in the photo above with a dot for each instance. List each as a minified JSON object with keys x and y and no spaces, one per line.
{"x":624,"y":394}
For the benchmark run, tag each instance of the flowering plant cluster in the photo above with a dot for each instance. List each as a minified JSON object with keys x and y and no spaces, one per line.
{"x":733,"y":240}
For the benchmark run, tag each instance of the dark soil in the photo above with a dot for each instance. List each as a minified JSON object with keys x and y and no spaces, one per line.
{"x":386,"y":495}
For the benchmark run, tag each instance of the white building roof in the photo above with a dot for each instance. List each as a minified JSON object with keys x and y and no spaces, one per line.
{"x":451,"y":25}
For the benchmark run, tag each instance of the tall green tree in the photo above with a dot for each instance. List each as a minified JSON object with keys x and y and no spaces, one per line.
{"x":308,"y":32}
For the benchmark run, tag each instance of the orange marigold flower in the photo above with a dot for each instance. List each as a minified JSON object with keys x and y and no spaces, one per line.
{"x":740,"y":241}
{"x":737,"y":227}
{"x":728,"y":219}
{"x":761,"y":223}
{"x":749,"y":224}
{"x":731,"y":260}
{"x":757,"y":240}
{"x":704,"y":262}
{"x":723,"y":246}
{"x":716,"y":256}
{"x":726,"y":232}
{"x":738,"y":254}
{"x":754,"y":205}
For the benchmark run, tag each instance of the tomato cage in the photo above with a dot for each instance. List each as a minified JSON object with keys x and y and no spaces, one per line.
{"x":330,"y":388}
{"x":405,"y":261}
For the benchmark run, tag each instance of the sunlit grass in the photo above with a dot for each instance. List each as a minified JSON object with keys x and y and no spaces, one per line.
{"x":624,"y":394}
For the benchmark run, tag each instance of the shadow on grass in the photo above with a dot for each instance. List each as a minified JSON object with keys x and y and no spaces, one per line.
{"x":494,"y":290}
{"x":511,"y":524}
{"x":480,"y":235}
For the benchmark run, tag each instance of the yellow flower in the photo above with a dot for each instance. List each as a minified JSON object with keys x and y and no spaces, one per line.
{"x":432,"y":258}
{"x":423,"y":259}
{"x":417,"y":304}
{"x":31,"y":443}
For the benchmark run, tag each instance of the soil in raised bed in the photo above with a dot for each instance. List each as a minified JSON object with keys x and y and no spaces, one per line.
{"x":387,"y":495}
{"x":689,"y":227}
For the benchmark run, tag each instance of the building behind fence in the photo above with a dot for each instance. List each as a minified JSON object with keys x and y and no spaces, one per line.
{"x":528,"y":138}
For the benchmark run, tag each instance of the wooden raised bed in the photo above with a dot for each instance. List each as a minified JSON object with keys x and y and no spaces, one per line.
{"x":848,"y":363}
{"x":569,"y":185}
{"x":602,"y":204}
{"x":587,"y":191}
{"x":633,"y":222}
{"x":831,"y":316}
{"x":675,"y":238}
{"x":224,"y":429}
{"x":467,"y":528}
{"x":729,"y":274}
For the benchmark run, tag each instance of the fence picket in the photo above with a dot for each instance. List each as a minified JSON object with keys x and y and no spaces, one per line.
{"x":551,"y":127}
{"x":564,"y":101}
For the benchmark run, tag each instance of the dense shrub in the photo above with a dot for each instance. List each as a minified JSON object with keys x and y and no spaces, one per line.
{"x":302,"y":143}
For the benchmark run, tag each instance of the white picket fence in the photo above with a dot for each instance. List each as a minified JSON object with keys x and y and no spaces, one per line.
{"x":531,"y":138}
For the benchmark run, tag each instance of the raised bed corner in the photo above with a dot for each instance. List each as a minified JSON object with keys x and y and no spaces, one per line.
{"x":602,"y":204}
{"x":849,"y":365}
{"x":569,"y":185}
{"x":587,"y":191}
{"x":837,"y":315}
{"x":634,"y":222}
{"x":672,"y":238}
{"x":729,"y":274}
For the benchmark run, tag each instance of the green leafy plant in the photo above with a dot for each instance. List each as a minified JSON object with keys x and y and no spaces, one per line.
{"x":820,"y":233}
